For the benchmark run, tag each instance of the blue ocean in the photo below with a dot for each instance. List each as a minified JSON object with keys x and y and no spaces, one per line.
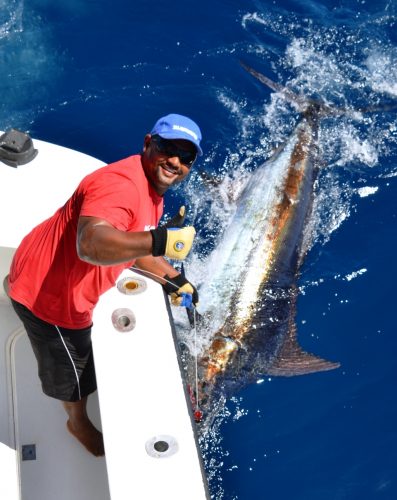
{"x":95,"y":76}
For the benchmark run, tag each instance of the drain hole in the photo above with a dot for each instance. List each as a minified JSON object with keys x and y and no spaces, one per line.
{"x":161,"y":446}
{"x":123,"y":320}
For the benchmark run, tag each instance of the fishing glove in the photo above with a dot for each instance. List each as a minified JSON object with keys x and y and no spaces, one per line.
{"x":173,"y":240}
{"x":181,"y":291}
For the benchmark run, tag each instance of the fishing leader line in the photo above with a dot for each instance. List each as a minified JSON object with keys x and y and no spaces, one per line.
{"x":198,"y":414}
{"x":155,"y":275}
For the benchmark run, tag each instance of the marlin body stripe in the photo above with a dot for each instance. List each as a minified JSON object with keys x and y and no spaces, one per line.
{"x":255,"y":271}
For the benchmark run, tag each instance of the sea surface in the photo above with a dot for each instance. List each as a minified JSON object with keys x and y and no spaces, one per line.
{"x":95,"y":76}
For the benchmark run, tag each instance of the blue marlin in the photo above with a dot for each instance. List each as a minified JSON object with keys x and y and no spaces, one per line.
{"x":252,"y":330}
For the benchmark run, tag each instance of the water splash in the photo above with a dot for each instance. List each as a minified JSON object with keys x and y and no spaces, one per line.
{"x":337,"y":65}
{"x":382,"y":70}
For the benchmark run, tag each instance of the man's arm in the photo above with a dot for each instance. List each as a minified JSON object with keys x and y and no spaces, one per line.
{"x":157,"y":266}
{"x":174,"y":283}
{"x":99,"y":243}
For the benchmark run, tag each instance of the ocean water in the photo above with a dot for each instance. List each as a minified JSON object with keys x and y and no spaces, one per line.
{"x":94,"y":76}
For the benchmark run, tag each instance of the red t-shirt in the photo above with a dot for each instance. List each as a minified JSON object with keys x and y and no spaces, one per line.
{"x":48,"y":277}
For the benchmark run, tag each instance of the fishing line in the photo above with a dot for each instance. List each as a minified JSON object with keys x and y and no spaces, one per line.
{"x":155,"y":275}
{"x":195,"y":357}
{"x":197,"y":414}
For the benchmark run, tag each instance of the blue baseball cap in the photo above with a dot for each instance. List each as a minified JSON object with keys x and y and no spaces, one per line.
{"x":178,"y":127}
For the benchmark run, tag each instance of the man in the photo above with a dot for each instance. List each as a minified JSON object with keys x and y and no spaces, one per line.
{"x":65,"y":263}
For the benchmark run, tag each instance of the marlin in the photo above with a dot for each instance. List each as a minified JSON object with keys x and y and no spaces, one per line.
{"x":252,"y":330}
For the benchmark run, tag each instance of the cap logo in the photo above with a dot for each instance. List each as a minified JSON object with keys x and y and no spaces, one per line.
{"x":184,"y":129}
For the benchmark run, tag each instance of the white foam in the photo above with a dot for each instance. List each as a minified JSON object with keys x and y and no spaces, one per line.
{"x":367,"y":191}
{"x":353,"y":275}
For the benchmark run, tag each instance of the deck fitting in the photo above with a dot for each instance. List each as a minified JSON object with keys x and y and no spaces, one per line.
{"x":161,"y":446}
{"x":123,"y":319}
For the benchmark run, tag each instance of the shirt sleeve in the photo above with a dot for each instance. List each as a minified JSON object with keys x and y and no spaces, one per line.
{"x":112,"y":197}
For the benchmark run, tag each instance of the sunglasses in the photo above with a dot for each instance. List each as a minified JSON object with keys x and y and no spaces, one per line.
{"x":168,"y":148}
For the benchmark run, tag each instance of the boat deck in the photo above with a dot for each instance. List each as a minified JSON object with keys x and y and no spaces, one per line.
{"x":141,"y":405}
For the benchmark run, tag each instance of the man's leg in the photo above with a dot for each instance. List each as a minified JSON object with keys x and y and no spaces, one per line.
{"x":82,"y":428}
{"x":66,"y":371}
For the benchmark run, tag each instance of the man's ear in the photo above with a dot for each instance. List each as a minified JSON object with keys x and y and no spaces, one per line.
{"x":146,"y":142}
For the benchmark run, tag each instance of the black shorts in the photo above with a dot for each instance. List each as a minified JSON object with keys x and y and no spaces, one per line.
{"x":64,"y":356}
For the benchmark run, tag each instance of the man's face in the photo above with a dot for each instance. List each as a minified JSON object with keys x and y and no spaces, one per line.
{"x":163,"y":159}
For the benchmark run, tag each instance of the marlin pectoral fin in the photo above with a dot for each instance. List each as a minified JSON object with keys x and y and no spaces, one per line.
{"x":293,"y":360}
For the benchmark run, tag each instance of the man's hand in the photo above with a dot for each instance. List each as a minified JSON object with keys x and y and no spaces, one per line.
{"x":172,"y":239}
{"x":177,"y":287}
{"x":173,"y":242}
{"x":178,"y":220}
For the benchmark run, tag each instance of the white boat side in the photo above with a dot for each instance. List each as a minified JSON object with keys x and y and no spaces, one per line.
{"x":141,"y":404}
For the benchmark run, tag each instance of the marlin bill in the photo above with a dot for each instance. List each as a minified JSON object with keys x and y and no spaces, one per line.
{"x":251,"y":328}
